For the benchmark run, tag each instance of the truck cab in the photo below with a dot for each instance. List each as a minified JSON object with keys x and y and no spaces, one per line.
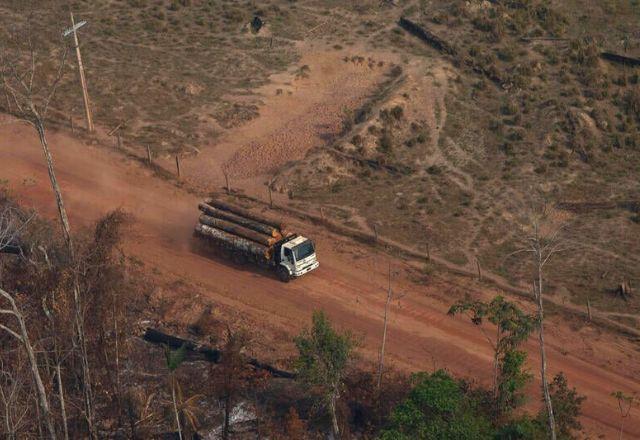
{"x":295,"y":256}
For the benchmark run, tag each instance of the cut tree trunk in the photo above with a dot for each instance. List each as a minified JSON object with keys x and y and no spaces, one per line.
{"x":237,"y":230}
{"x":239,"y":244}
{"x":242,"y":221}
{"x":246,"y":213}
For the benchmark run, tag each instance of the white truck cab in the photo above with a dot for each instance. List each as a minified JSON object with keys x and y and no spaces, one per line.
{"x":297,"y":257}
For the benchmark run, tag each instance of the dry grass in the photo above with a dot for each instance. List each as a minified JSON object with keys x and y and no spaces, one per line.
{"x":176,"y":73}
{"x":564,"y":127}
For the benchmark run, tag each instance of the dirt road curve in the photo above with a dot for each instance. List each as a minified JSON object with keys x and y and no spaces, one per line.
{"x":350,"y":285}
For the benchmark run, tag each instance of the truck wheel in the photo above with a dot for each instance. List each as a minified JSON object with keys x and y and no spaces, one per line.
{"x":283,"y":274}
{"x":239,"y":258}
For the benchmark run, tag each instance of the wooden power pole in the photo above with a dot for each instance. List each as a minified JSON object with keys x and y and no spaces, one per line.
{"x":83,"y":80}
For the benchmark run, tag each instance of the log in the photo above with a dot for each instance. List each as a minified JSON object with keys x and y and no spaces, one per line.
{"x":245,"y":213}
{"x":233,"y":218}
{"x":235,"y":229}
{"x":238,"y":243}
{"x":426,"y":36}
{"x":158,"y":337}
{"x":442,"y":46}
{"x":199,"y":351}
{"x":620,"y":59}
{"x":11,"y":247}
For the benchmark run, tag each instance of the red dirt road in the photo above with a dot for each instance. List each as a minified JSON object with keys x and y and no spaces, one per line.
{"x":350,"y":284}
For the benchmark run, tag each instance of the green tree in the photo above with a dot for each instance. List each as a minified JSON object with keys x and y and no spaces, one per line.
{"x":512,"y":381}
{"x":438,"y":408}
{"x":513,"y":327}
{"x":323,"y":360}
{"x":567,"y":403}
{"x":524,"y":428}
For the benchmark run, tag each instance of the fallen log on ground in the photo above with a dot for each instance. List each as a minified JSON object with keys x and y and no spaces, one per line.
{"x":620,"y":59}
{"x":245,"y":213}
{"x":197,"y":351}
{"x":426,"y":36}
{"x":372,"y":163}
{"x":235,"y":229}
{"x":10,"y":248}
{"x":582,"y":207}
{"x":233,"y":241}
{"x":442,"y":46}
{"x":242,"y":221}
{"x":206,"y":353}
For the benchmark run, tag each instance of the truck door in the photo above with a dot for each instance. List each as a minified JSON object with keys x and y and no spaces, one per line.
{"x":288,"y":255}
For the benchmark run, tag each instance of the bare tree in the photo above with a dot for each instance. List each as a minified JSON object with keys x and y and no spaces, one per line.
{"x":28,"y":100}
{"x":22,"y":336}
{"x":229,"y":378}
{"x":29,"y":92}
{"x":625,"y":403}
{"x":12,"y":223}
{"x":13,"y":397}
{"x":542,"y":242}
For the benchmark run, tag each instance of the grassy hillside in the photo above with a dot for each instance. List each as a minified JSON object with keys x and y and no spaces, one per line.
{"x":530,"y":114}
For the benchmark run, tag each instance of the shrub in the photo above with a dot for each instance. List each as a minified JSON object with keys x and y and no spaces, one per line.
{"x":515,"y":134}
{"x":422,"y":137}
{"x":438,"y":407}
{"x":434,"y":170}
{"x":631,"y":101}
{"x":397,"y":112}
{"x":584,"y":52}
{"x":509,"y":107}
{"x":506,"y":53}
{"x":385,"y":142}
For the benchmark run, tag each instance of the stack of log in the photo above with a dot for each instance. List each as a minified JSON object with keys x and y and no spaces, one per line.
{"x":238,"y":228}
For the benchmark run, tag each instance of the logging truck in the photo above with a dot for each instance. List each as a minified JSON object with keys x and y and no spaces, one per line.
{"x":245,"y":236}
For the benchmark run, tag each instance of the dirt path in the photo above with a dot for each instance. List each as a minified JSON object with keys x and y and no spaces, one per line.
{"x":305,"y":110}
{"x":350,"y":284}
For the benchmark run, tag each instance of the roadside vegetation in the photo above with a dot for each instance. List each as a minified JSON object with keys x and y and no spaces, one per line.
{"x":140,"y":390}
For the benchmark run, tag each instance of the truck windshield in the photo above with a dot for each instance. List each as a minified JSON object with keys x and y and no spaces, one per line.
{"x":303,"y":250}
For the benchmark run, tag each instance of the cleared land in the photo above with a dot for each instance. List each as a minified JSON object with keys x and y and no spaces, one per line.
{"x":350,"y":285}
{"x":353,"y":119}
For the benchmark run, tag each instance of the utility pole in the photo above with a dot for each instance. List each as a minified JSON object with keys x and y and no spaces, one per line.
{"x":83,"y":81}
{"x":384,"y":332}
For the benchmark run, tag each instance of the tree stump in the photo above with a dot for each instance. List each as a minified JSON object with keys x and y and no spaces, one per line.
{"x":624,"y":290}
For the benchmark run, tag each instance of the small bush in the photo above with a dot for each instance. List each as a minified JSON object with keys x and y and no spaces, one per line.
{"x":422,"y":138}
{"x":506,"y":53}
{"x":397,"y":112}
{"x":509,"y":107}
{"x":434,"y":170}
{"x":585,"y":52}
{"x":632,"y":102}
{"x":385,"y":143}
